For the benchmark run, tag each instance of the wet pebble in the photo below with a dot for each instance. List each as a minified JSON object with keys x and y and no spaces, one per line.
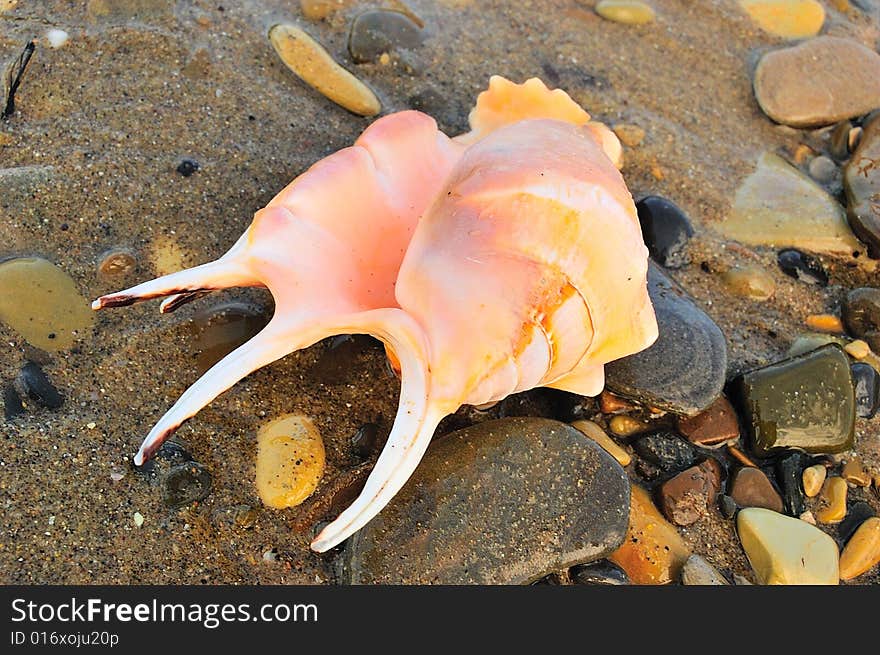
{"x":750,"y":487}
{"x":187,"y":167}
{"x":56,"y":38}
{"x":611,"y":404}
{"x":832,"y":501}
{"x":750,"y":282}
{"x":666,"y":450}
{"x":598,"y":435}
{"x":697,"y":571}
{"x":789,"y":473}
{"x":818,"y":82}
{"x":684,"y":370}
{"x":862,"y":551}
{"x":602,"y":572}
{"x":290,"y":461}
{"x":839,"y":145}
{"x":861,"y":314}
{"x":826,"y":323}
{"x":861,"y":182}
{"x":464,"y":519}
{"x":685,"y":498}
{"x":727,"y":506}
{"x":786,"y":551}
{"x":790,"y":19}
{"x":804,"y":343}
{"x":629,"y":12}
{"x":185,"y":484}
{"x":626,"y":426}
{"x":219,"y":329}
{"x":117,"y":262}
{"x":813,"y":478}
{"x":374,"y":33}
{"x":805,"y":402}
{"x":666,"y":230}
{"x":854,"y":472}
{"x":717,"y":424}
{"x":314,"y":65}
{"x":37,"y":386}
{"x":823,"y":169}
{"x":856,"y":514}
{"x":12,"y":405}
{"x":365,"y":441}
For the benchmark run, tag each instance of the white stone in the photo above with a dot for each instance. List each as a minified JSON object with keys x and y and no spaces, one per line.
{"x":56,"y":37}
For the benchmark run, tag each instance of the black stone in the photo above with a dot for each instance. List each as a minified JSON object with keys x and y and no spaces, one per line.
{"x":36,"y":384}
{"x":666,"y":230}
{"x":666,"y":450}
{"x":12,"y":406}
{"x":856,"y":514}
{"x":802,"y":266}
{"x":866,"y":382}
{"x":187,"y":167}
{"x":365,"y":441}
{"x":789,"y":474}
{"x":374,"y":33}
{"x":684,"y":370}
{"x":185,"y":484}
{"x":727,"y":506}
{"x":602,"y":572}
{"x":861,"y":315}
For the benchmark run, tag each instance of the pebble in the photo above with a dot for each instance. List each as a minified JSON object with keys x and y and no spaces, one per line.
{"x":602,"y":572}
{"x":37,"y":386}
{"x":697,"y":571}
{"x":866,"y":382}
{"x":12,"y":405}
{"x":805,"y":402}
{"x":185,"y":484}
{"x":374,"y":33}
{"x":598,"y":435}
{"x":117,"y":262}
{"x":808,"y":517}
{"x":626,"y":426}
{"x":804,"y":343}
{"x":684,"y":371}
{"x":41,"y":302}
{"x":839,"y":145}
{"x":832,"y":501}
{"x":138,"y":519}
{"x":629,"y":135}
{"x":314,"y":65}
{"x":818,"y":82}
{"x":857,"y":349}
{"x":666,"y":230}
{"x":752,"y":488}
{"x":611,"y":404}
{"x":187,"y":167}
{"x":779,"y":206}
{"x":861,"y":314}
{"x":823,"y":169}
{"x":219,"y":329}
{"x":786,"y":551}
{"x":825,"y":323}
{"x":861,"y":183}
{"x":862,"y":551}
{"x":789,"y":474}
{"x":464,"y":518}
{"x":802,"y":267}
{"x":727,"y":506}
{"x":685,"y":498}
{"x":666,"y":450}
{"x":628,"y":12}
{"x":290,"y":461}
{"x":56,"y":37}
{"x":365,"y":441}
{"x":653,"y":552}
{"x":750,"y":282}
{"x":854,"y":472}
{"x":790,"y":19}
{"x":813,"y":479}
{"x":717,"y":424}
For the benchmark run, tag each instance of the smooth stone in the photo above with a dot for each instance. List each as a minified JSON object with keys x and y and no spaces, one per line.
{"x":611,"y":404}
{"x":365,"y":441}
{"x":823,"y":169}
{"x":314,"y":65}
{"x":374,"y":33}
{"x":684,"y":370}
{"x":861,"y":184}
{"x":858,"y":349}
{"x":807,"y":342}
{"x":628,"y":12}
{"x":717,"y":424}
{"x":805,"y":402}
{"x":12,"y":405}
{"x":802,"y":267}
{"x":866,"y":383}
{"x":778,"y":206}
{"x":839,"y":146}
{"x":290,"y":461}
{"x":117,"y":262}
{"x":697,"y":571}
{"x":502,"y":502}
{"x":727,"y":506}
{"x":813,"y":478}
{"x":185,"y":484}
{"x":602,"y":572}
{"x":666,"y":230}
{"x":854,"y":472}
{"x":832,"y":501}
{"x":861,"y":314}
{"x":818,"y":82}
{"x":41,"y":302}
{"x":599,"y":435}
{"x":825,"y":323}
{"x":653,"y":552}
{"x":750,"y":282}
{"x":666,"y":450}
{"x":626,"y":426}
{"x":219,"y":329}
{"x":340,"y":355}
{"x":685,"y":498}
{"x":187,"y":167}
{"x":38,"y":387}
{"x":862,"y":551}
{"x":856,"y":514}
{"x":752,"y":488}
{"x":786,"y":551}
{"x":790,"y":19}
{"x":789,"y":470}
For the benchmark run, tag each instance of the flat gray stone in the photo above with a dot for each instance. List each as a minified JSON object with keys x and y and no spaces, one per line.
{"x":501,"y":502}
{"x":684,"y":370}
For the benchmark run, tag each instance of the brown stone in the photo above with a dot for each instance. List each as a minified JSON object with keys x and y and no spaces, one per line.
{"x":715,"y":425}
{"x":610,"y":403}
{"x":685,"y":498}
{"x":751,"y":488}
{"x":854,"y":472}
{"x":832,"y":501}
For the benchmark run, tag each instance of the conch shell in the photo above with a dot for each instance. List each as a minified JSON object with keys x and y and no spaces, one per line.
{"x":501,"y":260}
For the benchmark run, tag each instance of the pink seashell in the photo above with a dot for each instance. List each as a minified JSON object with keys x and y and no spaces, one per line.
{"x":501,"y":260}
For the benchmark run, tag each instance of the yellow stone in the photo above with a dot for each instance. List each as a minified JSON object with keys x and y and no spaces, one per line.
{"x":790,"y":19}
{"x":652,"y":552}
{"x":290,"y":461}
{"x":862,"y":551}
{"x":854,"y":472}
{"x":314,"y":65}
{"x":598,"y":435}
{"x":625,"y":426}
{"x":825,"y":323}
{"x":750,"y":281}
{"x":630,"y":12}
{"x":813,"y":479}
{"x":833,"y":499}
{"x":857,"y":349}
{"x":629,"y":135}
{"x":321,"y":9}
{"x":786,"y":551}
{"x":41,"y":302}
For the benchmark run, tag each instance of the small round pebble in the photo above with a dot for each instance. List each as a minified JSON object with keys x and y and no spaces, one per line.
{"x":374,"y":33}
{"x":697,"y":571}
{"x":862,"y":551}
{"x":822,"y":169}
{"x":750,"y":282}
{"x":628,"y":12}
{"x":187,"y":167}
{"x":117,"y":262}
{"x":290,"y":461}
{"x":866,"y":382}
{"x":626,"y":426}
{"x":56,"y":37}
{"x":861,"y":314}
{"x":802,"y":266}
{"x":832,"y":500}
{"x":813,"y":479}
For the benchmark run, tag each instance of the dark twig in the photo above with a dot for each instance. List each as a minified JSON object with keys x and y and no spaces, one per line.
{"x":13,"y":78}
